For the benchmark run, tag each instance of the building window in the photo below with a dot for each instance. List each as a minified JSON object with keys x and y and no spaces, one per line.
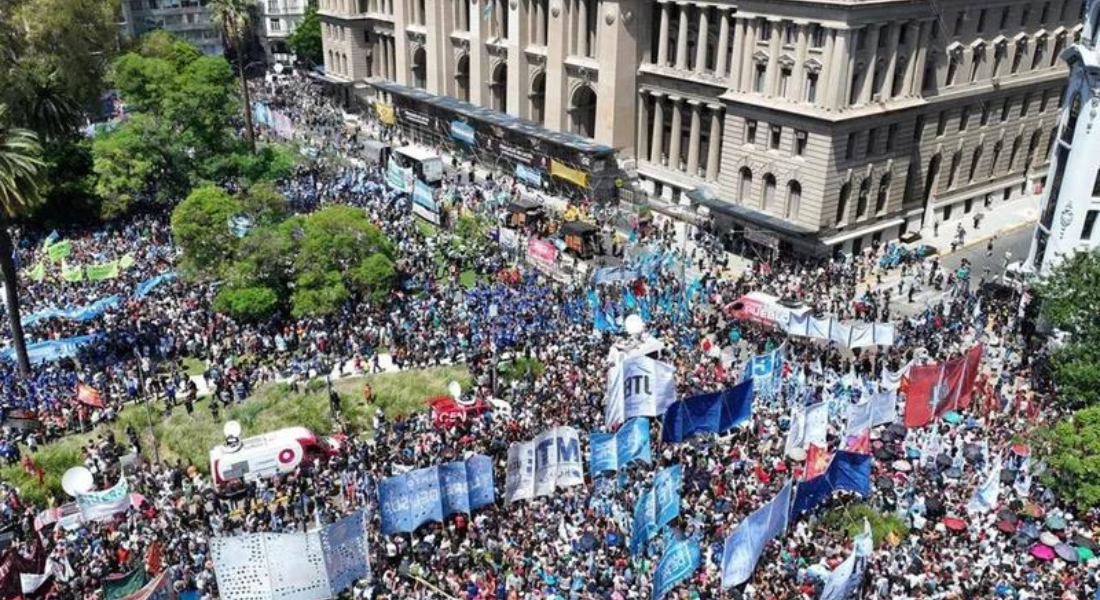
{"x":883,"y":193}
{"x":759,"y":77}
{"x":952,"y":70}
{"x":1096,"y":185}
{"x":1090,"y":222}
{"x":975,"y":160}
{"x":745,"y":190}
{"x":977,"y":59}
{"x":1025,"y":15}
{"x":918,"y":128}
{"x":1014,"y":153}
{"x":817,"y":36}
{"x":800,"y":138}
{"x":1043,"y":101}
{"x":997,"y":148}
{"x":1006,"y":109}
{"x":953,"y":174}
{"x":964,"y":118}
{"x":1025,"y":106}
{"x":811,"y":87}
{"x":765,"y":28}
{"x":776,"y":137}
{"x":872,"y":134}
{"x":862,"y":199}
{"x":790,"y":33}
{"x":1044,"y":13}
{"x":794,"y":200}
{"x":1005,"y":13}
{"x":842,"y":202}
{"x":1018,"y":57}
{"x":941,"y":125}
{"x":850,"y":148}
{"x":784,"y":79}
{"x":274,"y":25}
{"x":960,"y":20}
{"x":1040,"y":49}
{"x":769,"y":192}
{"x":981,"y":20}
{"x":750,"y":131}
{"x":891,"y":137}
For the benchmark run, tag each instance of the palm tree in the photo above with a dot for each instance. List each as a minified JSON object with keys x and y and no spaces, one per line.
{"x":235,"y":16}
{"x":45,"y":106}
{"x":20,"y":174}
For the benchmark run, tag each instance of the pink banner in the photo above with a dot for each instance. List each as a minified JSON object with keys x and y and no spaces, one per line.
{"x":542,"y":250}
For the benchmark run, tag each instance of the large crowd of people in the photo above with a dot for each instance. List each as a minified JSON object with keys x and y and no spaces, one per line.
{"x":570,"y":545}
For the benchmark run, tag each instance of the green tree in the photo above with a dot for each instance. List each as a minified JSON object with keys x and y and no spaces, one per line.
{"x":306,"y":39}
{"x":142,"y":81}
{"x":235,"y":17}
{"x":249,"y":304}
{"x":168,"y":46}
{"x":200,"y":226}
{"x":42,"y":102}
{"x":374,"y":277}
{"x":199,"y":104}
{"x":1070,"y":300}
{"x":142,"y":158}
{"x":264,"y":204}
{"x":20,"y":178}
{"x":1072,"y":450}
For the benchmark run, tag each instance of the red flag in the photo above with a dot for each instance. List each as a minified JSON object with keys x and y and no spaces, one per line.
{"x":817,"y":461}
{"x":154,"y":559}
{"x":88,"y":395}
{"x":938,"y":388}
{"x":859,"y":443}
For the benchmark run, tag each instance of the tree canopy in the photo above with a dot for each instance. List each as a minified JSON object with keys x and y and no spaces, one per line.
{"x":1072,"y":450}
{"x":1070,"y":297}
{"x":305,"y":41}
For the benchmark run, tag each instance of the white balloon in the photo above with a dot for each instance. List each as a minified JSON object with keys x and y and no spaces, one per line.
{"x":76,"y":481}
{"x":634,"y":325}
{"x":232,"y":429}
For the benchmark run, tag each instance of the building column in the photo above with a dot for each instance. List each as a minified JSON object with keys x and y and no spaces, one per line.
{"x":771,"y":76}
{"x":682,"y":38}
{"x":677,"y":134}
{"x":714,"y":144}
{"x":617,"y":52}
{"x":701,"y":41}
{"x":662,"y":37}
{"x":837,"y":66}
{"x":582,"y":27}
{"x":720,"y":61}
{"x":868,"y":83}
{"x":745,"y":59}
{"x":798,"y":75}
{"x":693,"y":138}
{"x":401,"y":42}
{"x":518,"y":103}
{"x":891,"y":60}
{"x":557,"y":48}
{"x":658,"y":129}
{"x":916,"y":84}
{"x":641,"y":149}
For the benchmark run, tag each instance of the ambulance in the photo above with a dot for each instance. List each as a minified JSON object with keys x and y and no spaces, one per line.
{"x":268,"y":455}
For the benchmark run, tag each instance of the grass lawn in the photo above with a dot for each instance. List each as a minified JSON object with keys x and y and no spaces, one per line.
{"x":193,"y":366}
{"x":426,"y":228}
{"x":272,"y":407}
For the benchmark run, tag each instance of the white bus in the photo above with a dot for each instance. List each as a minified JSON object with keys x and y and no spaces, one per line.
{"x":427,"y":166}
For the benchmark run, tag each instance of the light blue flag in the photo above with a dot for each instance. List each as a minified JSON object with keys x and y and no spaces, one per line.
{"x":745,"y":545}
{"x":679,"y":561}
{"x":766,"y":371}
{"x":985,"y":497}
{"x":645,"y":521}
{"x":666,"y":488}
{"x":845,"y":579}
{"x":611,"y":452}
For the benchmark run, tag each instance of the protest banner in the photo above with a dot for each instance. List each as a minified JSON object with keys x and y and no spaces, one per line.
{"x":638,"y":386}
{"x":411,"y":499}
{"x":611,"y":452}
{"x":105,"y":504}
{"x":540,"y":466}
{"x":716,"y":412}
{"x":745,"y":545}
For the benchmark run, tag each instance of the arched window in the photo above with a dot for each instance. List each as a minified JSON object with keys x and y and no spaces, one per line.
{"x":794,"y":200}
{"x":499,"y":88}
{"x":842,"y":202}
{"x":420,"y":68}
{"x":538,"y":98}
{"x":883,"y":194}
{"x":462,"y":78}
{"x":861,"y":200}
{"x":745,"y":189}
{"x":769,"y":192}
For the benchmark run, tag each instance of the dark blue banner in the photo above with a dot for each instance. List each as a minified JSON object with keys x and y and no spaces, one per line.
{"x":716,"y":412}
{"x":849,"y":471}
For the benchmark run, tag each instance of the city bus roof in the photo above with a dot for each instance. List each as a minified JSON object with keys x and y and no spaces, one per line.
{"x":417,"y":153}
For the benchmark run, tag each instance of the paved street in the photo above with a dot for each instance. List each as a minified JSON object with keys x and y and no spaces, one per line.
{"x":1015,"y":241}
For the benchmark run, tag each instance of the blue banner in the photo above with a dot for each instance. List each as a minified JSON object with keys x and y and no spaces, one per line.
{"x":48,"y":351}
{"x":611,"y":452}
{"x":679,"y":561}
{"x":745,"y":545}
{"x":81,"y":314}
{"x":617,"y":274}
{"x":408,"y":501}
{"x":716,"y":412}
{"x":848,"y":471}
{"x":767,"y":371}
{"x":345,"y":551}
{"x":656,"y":507}
{"x":463,"y":132}
{"x":147,"y":286}
{"x":529,"y":175}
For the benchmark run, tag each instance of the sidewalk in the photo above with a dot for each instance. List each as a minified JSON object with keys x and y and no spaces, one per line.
{"x":999,"y":219}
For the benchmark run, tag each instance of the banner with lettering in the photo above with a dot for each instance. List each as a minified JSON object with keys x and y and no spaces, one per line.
{"x":680,"y":560}
{"x":538,"y":467}
{"x":60,"y":250}
{"x":656,"y":507}
{"x":99,"y":272}
{"x":639,"y":386}
{"x":104,"y":504}
{"x":409,"y":500}
{"x":347,"y":554}
{"x":613,"y":451}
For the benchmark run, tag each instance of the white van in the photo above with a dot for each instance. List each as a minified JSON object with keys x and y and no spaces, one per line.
{"x":268,"y":455}
{"x":427,"y":166}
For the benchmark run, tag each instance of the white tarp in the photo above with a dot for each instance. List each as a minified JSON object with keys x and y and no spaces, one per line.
{"x":849,"y":335}
{"x":538,"y":467}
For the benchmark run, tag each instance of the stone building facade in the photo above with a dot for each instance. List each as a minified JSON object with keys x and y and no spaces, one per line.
{"x":832,"y":124}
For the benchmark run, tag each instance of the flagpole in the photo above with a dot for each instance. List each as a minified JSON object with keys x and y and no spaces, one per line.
{"x":148,"y":410}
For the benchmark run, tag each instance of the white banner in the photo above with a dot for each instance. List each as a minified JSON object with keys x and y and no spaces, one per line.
{"x":104,"y":504}
{"x":266,"y":566}
{"x":850,"y":335}
{"x":638,"y":387}
{"x":538,"y":467}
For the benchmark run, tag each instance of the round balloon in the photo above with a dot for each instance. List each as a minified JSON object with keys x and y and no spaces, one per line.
{"x":735,"y":336}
